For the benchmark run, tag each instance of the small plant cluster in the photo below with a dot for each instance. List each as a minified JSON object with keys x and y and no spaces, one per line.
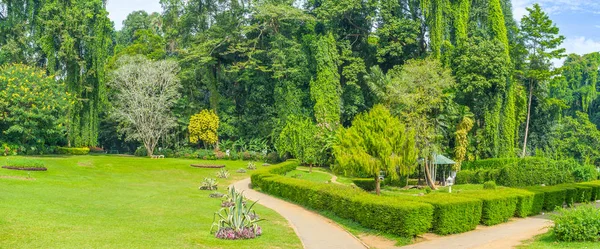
{"x":223,"y":173}
{"x":577,"y":224}
{"x":73,"y":151}
{"x":216,"y":195}
{"x":209,"y":184}
{"x":24,"y":164}
{"x":251,"y":166}
{"x":236,"y":221}
{"x":489,"y":185}
{"x":241,"y":170}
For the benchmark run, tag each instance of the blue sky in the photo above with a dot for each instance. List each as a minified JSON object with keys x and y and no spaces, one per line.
{"x":578,"y":20}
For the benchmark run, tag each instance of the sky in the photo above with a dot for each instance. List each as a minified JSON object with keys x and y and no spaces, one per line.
{"x":578,"y":20}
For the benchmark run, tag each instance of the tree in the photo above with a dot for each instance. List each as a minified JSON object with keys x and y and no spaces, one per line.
{"x":33,"y":107}
{"x":203,"y":126}
{"x":145,"y":92}
{"x":576,"y":137}
{"x":542,"y":41}
{"x":376,"y":141}
{"x":417,"y":93}
{"x":298,"y":139}
{"x":462,"y":140}
{"x":325,"y":90}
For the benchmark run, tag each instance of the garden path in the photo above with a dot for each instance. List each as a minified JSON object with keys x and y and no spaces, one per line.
{"x":314,"y":230}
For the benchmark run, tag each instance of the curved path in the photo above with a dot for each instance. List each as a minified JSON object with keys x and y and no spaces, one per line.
{"x":314,"y":230}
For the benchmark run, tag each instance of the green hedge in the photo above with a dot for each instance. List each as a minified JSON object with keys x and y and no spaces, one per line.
{"x":452,"y":214}
{"x":387,"y":214}
{"x":492,"y":163}
{"x":595,"y":192}
{"x":553,"y":196}
{"x":73,"y":151}
{"x":498,"y":205}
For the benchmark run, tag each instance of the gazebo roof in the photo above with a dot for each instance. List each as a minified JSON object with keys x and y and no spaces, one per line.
{"x":440,"y":160}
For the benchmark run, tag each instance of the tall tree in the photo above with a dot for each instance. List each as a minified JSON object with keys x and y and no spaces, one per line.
{"x":542,"y":41}
{"x":376,"y":141}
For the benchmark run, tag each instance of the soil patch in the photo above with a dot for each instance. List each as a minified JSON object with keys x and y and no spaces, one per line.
{"x":25,"y":168}
{"x":207,"y":166}
{"x":378,"y":242}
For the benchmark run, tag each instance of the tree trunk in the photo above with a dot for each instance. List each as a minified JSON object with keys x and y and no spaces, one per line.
{"x":430,"y":183}
{"x":310,"y":168}
{"x":528,"y":117}
{"x":377,"y":185}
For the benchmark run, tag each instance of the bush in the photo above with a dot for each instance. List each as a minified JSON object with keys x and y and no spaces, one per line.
{"x":452,"y":214}
{"x":367,"y":184}
{"x":595,"y":192}
{"x":489,"y":185}
{"x":553,"y":196}
{"x":387,"y":214}
{"x":498,"y":205}
{"x":94,"y":149}
{"x":584,"y":173}
{"x":465,"y":177}
{"x":577,"y":224}
{"x":73,"y":151}
{"x":141,"y":151}
{"x":493,"y":163}
{"x":24,"y":163}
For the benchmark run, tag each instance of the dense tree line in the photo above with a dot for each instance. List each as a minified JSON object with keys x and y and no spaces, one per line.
{"x":261,"y":65}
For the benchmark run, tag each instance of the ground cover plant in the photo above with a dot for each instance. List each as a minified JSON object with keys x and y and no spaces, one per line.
{"x":24,"y":164}
{"x":122,"y":202}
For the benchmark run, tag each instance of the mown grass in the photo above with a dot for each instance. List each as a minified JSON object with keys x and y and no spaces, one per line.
{"x":315,"y":176}
{"x":122,"y":202}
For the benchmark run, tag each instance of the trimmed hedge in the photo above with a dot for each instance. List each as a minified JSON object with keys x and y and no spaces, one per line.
{"x":452,"y":214}
{"x":595,"y":185}
{"x":498,"y":205}
{"x":391,"y":215}
{"x":553,"y":196}
{"x":492,"y":163}
{"x":73,"y":151}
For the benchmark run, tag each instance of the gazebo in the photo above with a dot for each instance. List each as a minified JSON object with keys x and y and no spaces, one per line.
{"x":439,"y":160}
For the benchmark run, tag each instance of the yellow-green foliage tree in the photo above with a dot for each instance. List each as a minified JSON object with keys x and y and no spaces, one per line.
{"x":33,"y":107}
{"x":375,"y":142}
{"x":203,"y":127}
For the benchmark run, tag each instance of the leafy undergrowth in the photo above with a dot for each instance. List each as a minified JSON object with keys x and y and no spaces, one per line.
{"x":123,"y":202}
{"x":548,"y":241}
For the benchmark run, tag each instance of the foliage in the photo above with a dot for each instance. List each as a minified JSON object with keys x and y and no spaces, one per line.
{"x":462,"y":141}
{"x":73,"y":151}
{"x":576,"y":137}
{"x":585,"y":173}
{"x":209,"y":184}
{"x":453,"y":214}
{"x":393,"y":216}
{"x":325,"y":90}
{"x":203,"y":126}
{"x":238,"y":221}
{"x":33,"y":107}
{"x":241,"y":170}
{"x":498,"y":205}
{"x":251,"y":166}
{"x":375,"y":142}
{"x":145,"y":91}
{"x":223,"y":173}
{"x":367,"y":184}
{"x":489,"y":185}
{"x":580,"y":223}
{"x":298,"y":138}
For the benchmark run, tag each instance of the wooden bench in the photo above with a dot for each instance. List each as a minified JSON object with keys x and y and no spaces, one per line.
{"x":158,"y":156}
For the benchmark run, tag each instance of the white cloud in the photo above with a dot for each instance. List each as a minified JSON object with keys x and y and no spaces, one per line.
{"x":578,"y":45}
{"x":556,"y":6}
{"x":119,"y":9}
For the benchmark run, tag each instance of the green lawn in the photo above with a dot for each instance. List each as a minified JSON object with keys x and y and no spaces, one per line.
{"x":121,"y":202}
{"x":547,"y":241}
{"x":316,"y":176}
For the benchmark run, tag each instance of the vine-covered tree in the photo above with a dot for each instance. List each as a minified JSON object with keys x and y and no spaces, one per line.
{"x":145,"y":93}
{"x":376,"y":142}
{"x":298,"y":138}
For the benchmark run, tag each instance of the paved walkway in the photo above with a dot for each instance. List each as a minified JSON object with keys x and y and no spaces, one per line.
{"x":506,"y":235}
{"x":314,"y":230}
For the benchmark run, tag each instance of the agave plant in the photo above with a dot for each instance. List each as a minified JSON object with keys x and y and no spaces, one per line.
{"x":241,"y":170}
{"x":251,"y":166}
{"x":238,"y":221}
{"x":209,"y":184}
{"x":223,"y":173}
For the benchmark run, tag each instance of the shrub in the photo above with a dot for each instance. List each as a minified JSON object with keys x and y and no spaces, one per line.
{"x":272,"y":158}
{"x":241,"y":170}
{"x":251,"y":166}
{"x":223,"y":173}
{"x":94,"y":149}
{"x":498,"y":205}
{"x":584,"y":173}
{"x":553,"y":196}
{"x":367,"y":184}
{"x":489,"y":185}
{"x":237,"y":221}
{"x":24,"y":163}
{"x":73,"y":151}
{"x":388,"y":214}
{"x":595,"y":193}
{"x":465,"y":177}
{"x":209,"y":184}
{"x":452,"y":214}
{"x":493,"y":163}
{"x":577,"y":224}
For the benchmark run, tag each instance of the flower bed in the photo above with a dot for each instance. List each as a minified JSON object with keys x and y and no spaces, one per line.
{"x":25,"y":168}
{"x":206,"y":166}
